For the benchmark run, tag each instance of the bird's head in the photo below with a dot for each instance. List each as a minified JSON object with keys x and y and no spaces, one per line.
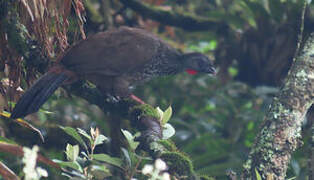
{"x":197,"y":62}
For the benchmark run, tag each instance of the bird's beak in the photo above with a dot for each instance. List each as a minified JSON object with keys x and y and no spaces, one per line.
{"x":212,"y":71}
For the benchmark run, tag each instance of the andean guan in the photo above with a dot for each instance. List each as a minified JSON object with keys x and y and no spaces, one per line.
{"x":113,"y":60}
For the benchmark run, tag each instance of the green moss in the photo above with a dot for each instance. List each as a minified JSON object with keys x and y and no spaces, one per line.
{"x":178,"y":163}
{"x":16,"y":33}
{"x":93,"y":13}
{"x":168,"y":145}
{"x":146,"y":110}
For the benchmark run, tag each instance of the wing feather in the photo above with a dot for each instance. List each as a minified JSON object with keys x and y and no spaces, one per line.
{"x":112,"y":53}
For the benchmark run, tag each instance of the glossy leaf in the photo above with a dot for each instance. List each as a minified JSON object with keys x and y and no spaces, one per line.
{"x":74,"y":165}
{"x":84,"y":133}
{"x":168,"y":131}
{"x":130,"y":138}
{"x":258,"y":176}
{"x":72,"y":152}
{"x":72,"y":132}
{"x":166,"y":115}
{"x":108,"y":159}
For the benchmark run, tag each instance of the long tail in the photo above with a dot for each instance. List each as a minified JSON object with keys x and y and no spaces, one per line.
{"x":37,"y":95}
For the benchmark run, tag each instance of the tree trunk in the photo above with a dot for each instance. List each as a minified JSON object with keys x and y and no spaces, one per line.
{"x":280,"y":133}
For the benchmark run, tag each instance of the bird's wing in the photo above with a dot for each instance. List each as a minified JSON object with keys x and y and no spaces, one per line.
{"x":112,"y":53}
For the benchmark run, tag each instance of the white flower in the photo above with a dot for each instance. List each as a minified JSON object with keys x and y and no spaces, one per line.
{"x":148,"y":169}
{"x":165,"y":176}
{"x":30,"y":170}
{"x":29,"y":159}
{"x":160,"y":165}
{"x":42,"y":172}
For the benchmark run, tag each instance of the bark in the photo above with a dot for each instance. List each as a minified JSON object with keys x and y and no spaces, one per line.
{"x":7,"y":173}
{"x":280,"y":134}
{"x":311,"y":159}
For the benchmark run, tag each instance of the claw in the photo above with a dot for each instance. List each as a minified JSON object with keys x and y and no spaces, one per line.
{"x":113,"y":99}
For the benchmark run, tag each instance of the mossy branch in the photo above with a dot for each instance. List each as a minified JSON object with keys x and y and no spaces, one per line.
{"x":186,"y":21}
{"x":281,"y":131}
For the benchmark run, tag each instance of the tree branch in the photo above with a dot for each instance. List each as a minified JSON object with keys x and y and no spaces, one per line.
{"x":311,"y":159}
{"x":7,"y":173}
{"x":281,"y":130}
{"x":18,"y":151}
{"x":185,"y":21}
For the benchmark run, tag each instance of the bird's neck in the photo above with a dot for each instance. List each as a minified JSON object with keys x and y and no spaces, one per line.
{"x":167,"y":64}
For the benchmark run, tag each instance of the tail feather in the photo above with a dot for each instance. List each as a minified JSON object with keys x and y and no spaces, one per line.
{"x":37,"y":95}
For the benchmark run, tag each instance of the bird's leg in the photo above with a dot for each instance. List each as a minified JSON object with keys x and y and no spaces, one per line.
{"x":137,"y":99}
{"x":121,"y":89}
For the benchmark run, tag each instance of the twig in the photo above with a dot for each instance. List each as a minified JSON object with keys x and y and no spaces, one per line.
{"x":7,"y":173}
{"x":18,"y":151}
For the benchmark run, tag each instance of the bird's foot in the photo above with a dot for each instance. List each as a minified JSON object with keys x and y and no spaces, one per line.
{"x":117,"y":99}
{"x":113,"y":99}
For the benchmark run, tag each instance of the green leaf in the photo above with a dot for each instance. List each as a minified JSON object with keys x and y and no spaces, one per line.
{"x":208,"y":46}
{"x":46,"y":112}
{"x":232,"y":71}
{"x":100,"y":171}
{"x":166,"y":115}
{"x":235,"y":22}
{"x":210,"y":106}
{"x":258,"y":176}
{"x":85,"y":155}
{"x":84,"y":133}
{"x":250,"y":125}
{"x":66,"y":175}
{"x":252,"y":22}
{"x":127,"y":157}
{"x":195,"y":48}
{"x":100,"y":139}
{"x":160,"y":112}
{"x":248,"y":105}
{"x":72,"y":152}
{"x":74,"y":165}
{"x":168,"y":131}
{"x":72,"y":132}
{"x":248,"y":14}
{"x":130,"y":138}
{"x":212,"y":45}
{"x":108,"y":159}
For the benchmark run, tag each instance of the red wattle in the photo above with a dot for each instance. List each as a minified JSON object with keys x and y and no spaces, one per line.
{"x":191,"y":71}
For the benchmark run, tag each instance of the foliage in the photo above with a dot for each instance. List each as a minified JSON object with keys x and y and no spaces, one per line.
{"x":214,"y":121}
{"x":86,"y":164}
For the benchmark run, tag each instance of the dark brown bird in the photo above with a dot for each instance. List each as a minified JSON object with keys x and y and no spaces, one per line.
{"x":113,"y":60}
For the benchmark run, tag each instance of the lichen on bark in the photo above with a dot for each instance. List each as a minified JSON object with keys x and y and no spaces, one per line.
{"x":281,"y":131}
